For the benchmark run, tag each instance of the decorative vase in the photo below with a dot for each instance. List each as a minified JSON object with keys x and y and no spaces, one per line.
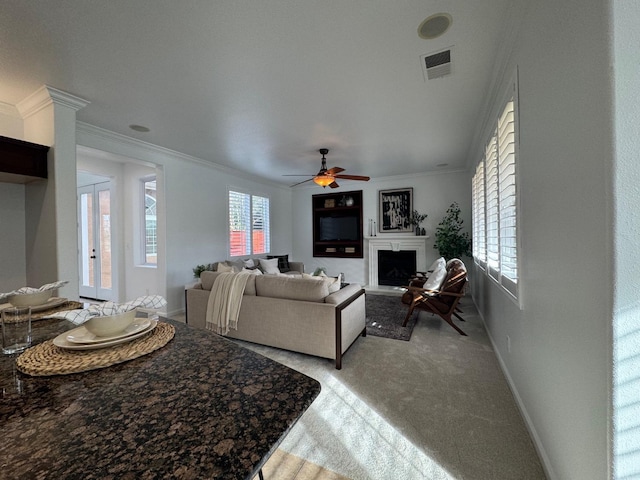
{"x":418,"y":230}
{"x":423,"y":232}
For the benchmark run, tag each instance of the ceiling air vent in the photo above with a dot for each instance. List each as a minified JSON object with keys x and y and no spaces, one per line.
{"x":437,"y":65}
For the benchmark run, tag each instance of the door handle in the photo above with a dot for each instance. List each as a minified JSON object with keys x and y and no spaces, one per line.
{"x":92,"y":256}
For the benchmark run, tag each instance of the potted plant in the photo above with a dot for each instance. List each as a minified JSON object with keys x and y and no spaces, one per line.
{"x":416,"y":219}
{"x":450,"y":241}
{"x":198,"y":269}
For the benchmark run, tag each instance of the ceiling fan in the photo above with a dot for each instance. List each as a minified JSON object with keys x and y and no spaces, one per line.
{"x":327,"y":177}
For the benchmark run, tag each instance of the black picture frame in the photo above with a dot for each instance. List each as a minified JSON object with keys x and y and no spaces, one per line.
{"x":394,"y":210}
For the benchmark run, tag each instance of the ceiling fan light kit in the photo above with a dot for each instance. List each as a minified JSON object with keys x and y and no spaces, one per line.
{"x":327,"y":177}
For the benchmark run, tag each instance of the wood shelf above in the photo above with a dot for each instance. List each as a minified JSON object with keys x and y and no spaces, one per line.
{"x":22,"y":162}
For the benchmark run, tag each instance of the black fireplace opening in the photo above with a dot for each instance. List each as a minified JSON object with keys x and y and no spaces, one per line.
{"x":395,"y":268}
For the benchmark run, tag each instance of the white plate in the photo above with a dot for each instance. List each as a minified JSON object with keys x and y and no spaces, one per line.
{"x":82,"y":335}
{"x":61,"y":340}
{"x":51,"y":303}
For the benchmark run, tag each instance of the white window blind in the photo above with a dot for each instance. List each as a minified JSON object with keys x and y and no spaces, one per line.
{"x":249,"y":227}
{"x":494,"y":195}
{"x":260,"y":226}
{"x":479,"y":221}
{"x":507,"y":193}
{"x":492,"y":208}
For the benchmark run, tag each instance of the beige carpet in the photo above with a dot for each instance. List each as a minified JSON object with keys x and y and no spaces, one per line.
{"x":436,"y":407}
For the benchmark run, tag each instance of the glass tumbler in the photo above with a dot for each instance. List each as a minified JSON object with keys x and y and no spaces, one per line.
{"x":16,"y":329}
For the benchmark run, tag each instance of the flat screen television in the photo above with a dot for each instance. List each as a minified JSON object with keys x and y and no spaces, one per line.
{"x":339,"y":228}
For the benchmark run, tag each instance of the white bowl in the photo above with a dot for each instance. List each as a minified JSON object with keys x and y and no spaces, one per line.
{"x":110,"y":325}
{"x":30,"y":299}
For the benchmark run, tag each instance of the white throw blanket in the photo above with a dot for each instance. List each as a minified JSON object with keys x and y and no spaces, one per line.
{"x":225,"y":299}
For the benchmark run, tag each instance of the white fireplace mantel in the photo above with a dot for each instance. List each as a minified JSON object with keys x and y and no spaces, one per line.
{"x":395,"y":243}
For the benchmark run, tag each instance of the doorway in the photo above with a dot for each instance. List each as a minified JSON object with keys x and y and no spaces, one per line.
{"x":94,"y":240}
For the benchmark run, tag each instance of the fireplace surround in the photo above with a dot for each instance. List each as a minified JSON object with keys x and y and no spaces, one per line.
{"x":395,"y":244}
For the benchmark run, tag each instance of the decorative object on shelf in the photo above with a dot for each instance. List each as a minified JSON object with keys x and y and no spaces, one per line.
{"x":416,"y":219}
{"x":450,"y":241}
{"x":395,"y":207}
{"x":319,"y":271}
{"x":327,"y":177}
{"x":329,"y":203}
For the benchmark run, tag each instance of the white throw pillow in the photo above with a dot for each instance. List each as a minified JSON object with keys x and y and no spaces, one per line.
{"x":249,"y":263}
{"x":437,"y":264}
{"x":223,"y":267}
{"x":269,"y":266}
{"x":434,"y":282}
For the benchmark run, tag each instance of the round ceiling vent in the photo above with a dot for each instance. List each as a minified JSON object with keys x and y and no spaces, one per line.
{"x":434,"y":26}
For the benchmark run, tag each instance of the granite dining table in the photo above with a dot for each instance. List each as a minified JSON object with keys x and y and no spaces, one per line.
{"x":200,"y":407}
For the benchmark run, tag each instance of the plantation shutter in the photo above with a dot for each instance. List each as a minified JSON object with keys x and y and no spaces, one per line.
{"x":261,"y":228}
{"x":239,"y":224}
{"x":507,"y":194}
{"x":493,"y":210}
{"x":479,"y":219}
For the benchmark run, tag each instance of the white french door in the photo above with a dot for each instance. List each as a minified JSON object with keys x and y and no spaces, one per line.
{"x":94,"y":241}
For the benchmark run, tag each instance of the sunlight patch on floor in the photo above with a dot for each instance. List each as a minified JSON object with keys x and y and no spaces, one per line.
{"x":377,"y":451}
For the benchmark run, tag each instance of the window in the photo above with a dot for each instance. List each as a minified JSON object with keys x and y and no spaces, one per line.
{"x":249,"y":228}
{"x":494,"y":203}
{"x":150,"y":233}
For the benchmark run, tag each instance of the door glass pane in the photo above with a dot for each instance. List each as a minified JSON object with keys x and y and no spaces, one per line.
{"x":104,"y":201}
{"x":150,"y":231}
{"x":86,"y":212}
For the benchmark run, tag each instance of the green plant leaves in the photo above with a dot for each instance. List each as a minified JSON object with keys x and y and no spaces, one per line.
{"x":450,"y":241}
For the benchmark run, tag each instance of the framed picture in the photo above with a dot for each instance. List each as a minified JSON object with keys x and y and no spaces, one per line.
{"x":395,"y":207}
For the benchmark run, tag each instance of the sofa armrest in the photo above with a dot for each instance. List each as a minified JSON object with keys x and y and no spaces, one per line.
{"x":197,"y":285}
{"x":297,"y":266}
{"x":336,"y":298}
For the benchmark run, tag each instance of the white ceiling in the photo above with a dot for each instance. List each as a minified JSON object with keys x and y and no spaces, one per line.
{"x":262,"y":85}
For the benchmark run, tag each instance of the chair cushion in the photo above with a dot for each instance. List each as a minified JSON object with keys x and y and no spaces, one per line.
{"x":434,"y":282}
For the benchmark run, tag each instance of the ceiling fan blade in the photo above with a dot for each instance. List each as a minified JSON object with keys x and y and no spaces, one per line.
{"x":353,"y":177}
{"x":304,"y":181}
{"x":333,"y":185}
{"x":334,"y":170}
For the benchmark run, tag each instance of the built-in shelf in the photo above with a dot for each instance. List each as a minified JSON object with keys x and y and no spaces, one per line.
{"x":22,"y":162}
{"x":337,"y":225}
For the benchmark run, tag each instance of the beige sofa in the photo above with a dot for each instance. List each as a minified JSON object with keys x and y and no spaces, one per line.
{"x":290,"y":312}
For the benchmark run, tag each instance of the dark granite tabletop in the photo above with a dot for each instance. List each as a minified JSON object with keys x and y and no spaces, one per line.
{"x":200,"y":407}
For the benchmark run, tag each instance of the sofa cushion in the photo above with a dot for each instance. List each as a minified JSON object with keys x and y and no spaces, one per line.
{"x":207,"y":278}
{"x":283,"y":262}
{"x":292,"y":288}
{"x":333,"y":283}
{"x":269,"y":266}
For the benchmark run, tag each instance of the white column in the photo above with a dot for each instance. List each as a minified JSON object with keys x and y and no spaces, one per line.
{"x":52,"y":240}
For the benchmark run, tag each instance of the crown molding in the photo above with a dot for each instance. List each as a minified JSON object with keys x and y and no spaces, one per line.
{"x":9,"y":110}
{"x":123,"y":145}
{"x":45,"y":96}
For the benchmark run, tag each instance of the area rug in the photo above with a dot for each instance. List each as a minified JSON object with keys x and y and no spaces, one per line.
{"x":385,"y":314}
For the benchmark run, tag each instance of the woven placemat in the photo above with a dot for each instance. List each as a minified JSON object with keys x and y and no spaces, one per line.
{"x":48,"y":359}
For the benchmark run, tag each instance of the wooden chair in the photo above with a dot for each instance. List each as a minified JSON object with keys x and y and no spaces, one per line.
{"x":442,"y":302}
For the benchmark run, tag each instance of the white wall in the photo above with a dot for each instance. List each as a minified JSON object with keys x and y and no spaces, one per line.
{"x":432,"y":194}
{"x":13,"y":273}
{"x":626,"y":18}
{"x":560,"y":359}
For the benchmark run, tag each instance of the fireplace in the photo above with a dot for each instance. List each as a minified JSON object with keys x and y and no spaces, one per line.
{"x":416,"y":246}
{"x":395,"y":268}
